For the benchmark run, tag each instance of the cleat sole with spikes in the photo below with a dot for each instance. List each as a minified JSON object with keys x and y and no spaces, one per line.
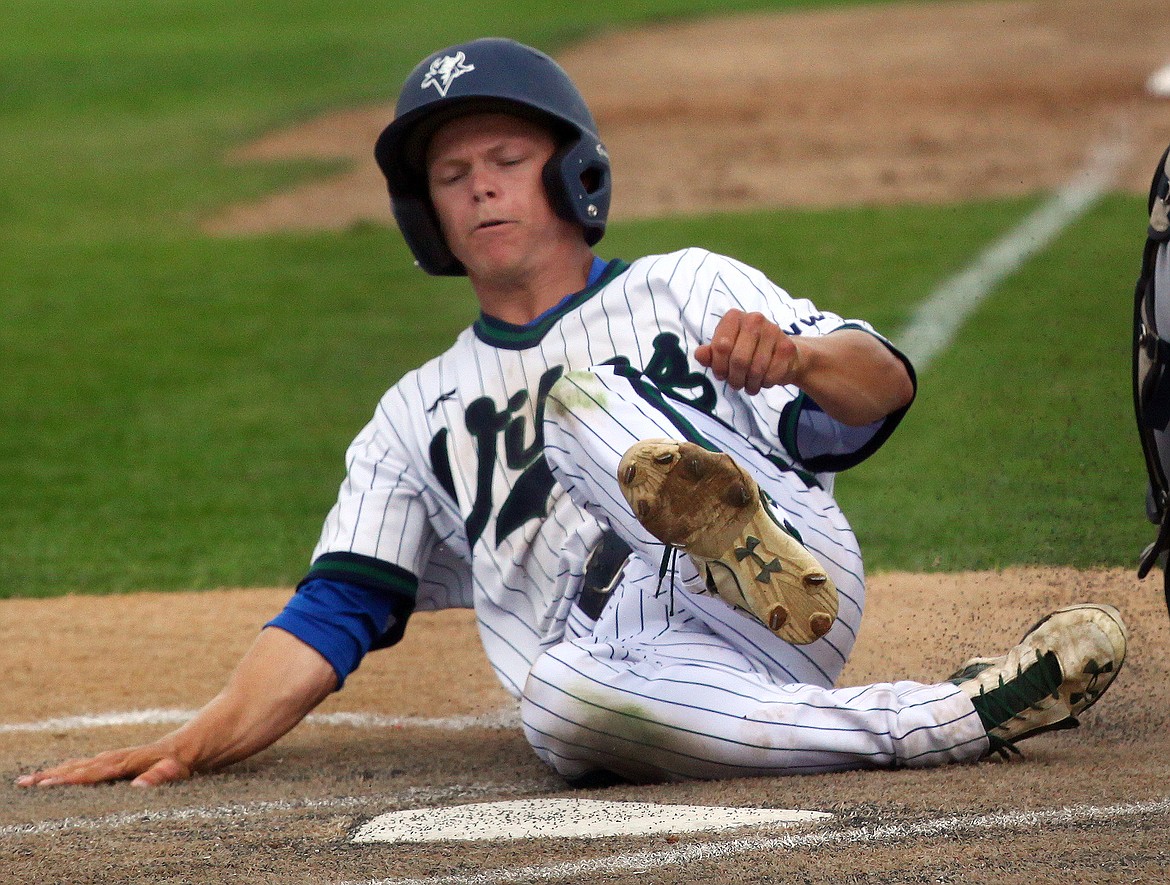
{"x":704,"y":504}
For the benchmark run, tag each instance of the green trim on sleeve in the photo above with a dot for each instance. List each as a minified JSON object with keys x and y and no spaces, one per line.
{"x":364,"y":571}
{"x":786,"y":429}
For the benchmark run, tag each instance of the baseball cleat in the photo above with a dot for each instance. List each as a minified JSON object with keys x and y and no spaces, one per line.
{"x":1059,"y":669}
{"x":704,"y":504}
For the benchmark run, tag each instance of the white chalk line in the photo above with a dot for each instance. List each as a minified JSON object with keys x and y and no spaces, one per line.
{"x":939,"y":317}
{"x":644,"y":861}
{"x":408,"y":798}
{"x":504,"y":718}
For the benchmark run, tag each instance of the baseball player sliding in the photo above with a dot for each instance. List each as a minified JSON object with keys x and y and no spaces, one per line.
{"x":626,"y":469}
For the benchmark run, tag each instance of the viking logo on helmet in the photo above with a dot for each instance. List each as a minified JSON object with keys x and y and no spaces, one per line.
{"x":443,"y":72}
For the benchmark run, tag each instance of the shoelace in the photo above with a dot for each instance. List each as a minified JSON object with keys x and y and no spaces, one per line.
{"x":669,"y":563}
{"x":1031,"y":685}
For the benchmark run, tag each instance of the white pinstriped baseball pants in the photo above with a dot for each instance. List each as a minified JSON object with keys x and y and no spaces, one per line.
{"x":667,"y":684}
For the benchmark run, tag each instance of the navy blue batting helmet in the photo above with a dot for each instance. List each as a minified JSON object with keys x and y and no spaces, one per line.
{"x":491,"y":74}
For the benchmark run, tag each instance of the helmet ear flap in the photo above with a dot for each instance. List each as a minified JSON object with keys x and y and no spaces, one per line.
{"x":579,"y":186}
{"x":423,"y":235}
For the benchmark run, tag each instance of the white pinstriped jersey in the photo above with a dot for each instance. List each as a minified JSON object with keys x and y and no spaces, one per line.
{"x":448,"y":480}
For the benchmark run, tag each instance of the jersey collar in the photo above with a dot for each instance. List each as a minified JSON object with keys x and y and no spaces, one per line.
{"x":509,"y":336}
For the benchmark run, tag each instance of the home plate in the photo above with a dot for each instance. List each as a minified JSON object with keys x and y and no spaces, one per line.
{"x":568,"y":818}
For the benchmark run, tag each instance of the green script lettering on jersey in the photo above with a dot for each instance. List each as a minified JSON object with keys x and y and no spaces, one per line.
{"x":528,"y":498}
{"x":668,"y":369}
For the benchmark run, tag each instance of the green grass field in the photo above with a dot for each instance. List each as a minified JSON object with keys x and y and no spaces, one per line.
{"x":175,"y":407}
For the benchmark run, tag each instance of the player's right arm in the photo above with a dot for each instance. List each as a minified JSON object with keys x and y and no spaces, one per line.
{"x":349,"y":603}
{"x":276,"y":684}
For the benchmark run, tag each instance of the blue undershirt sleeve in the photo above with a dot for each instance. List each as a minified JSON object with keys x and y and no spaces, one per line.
{"x":342,"y":621}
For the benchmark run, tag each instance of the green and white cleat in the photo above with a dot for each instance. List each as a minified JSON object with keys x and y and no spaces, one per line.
{"x":704,"y":504}
{"x":1061,"y":667}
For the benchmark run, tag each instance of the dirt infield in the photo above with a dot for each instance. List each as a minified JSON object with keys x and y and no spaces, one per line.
{"x":920,"y":102}
{"x":286,"y":815}
{"x":923,"y":102}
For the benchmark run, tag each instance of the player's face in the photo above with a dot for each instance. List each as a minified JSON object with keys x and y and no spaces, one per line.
{"x":484,"y":174}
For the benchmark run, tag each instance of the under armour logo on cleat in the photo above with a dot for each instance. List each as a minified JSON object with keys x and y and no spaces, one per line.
{"x":1096,"y":672}
{"x":766,"y":568}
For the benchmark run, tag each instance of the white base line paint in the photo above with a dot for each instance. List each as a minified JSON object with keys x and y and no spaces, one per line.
{"x":504,"y":718}
{"x":412,"y":796}
{"x":567,"y":819}
{"x":644,"y":861}
{"x":938,"y":318}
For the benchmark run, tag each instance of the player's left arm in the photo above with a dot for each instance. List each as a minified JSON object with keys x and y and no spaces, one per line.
{"x":850,"y":374}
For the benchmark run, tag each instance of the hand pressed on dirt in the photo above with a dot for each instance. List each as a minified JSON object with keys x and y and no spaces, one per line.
{"x":146,"y":766}
{"x":278,"y":681}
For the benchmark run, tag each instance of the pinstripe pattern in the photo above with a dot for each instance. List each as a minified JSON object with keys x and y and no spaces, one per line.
{"x":450,"y":481}
{"x":672,"y":684}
